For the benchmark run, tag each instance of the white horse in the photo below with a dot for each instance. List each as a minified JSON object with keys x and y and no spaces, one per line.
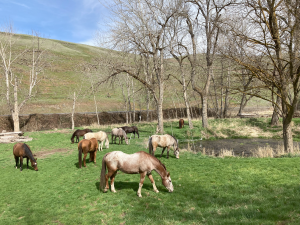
{"x":120,"y":133}
{"x":101,"y":136}
{"x":164,"y":141}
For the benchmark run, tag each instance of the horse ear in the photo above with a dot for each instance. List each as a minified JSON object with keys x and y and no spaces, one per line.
{"x":168,"y":174}
{"x":35,"y":159}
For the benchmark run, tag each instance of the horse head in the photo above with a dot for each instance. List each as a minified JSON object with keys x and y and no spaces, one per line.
{"x":34,"y":165}
{"x":167,"y":182}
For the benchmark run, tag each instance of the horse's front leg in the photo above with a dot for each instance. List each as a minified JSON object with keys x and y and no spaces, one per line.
{"x":153,"y":182}
{"x":168,"y":149}
{"x":141,"y":184}
{"x":27,"y":163}
{"x":164,"y":148}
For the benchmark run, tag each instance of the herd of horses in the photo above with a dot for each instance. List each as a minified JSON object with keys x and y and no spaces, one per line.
{"x":138,"y":163}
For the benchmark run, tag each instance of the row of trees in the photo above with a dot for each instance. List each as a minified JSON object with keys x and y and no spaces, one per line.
{"x":257,"y":41}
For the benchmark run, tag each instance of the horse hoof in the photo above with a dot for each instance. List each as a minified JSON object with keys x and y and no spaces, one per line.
{"x":105,"y":190}
{"x":156,"y":191}
{"x":113,"y":191}
{"x":139,"y":196}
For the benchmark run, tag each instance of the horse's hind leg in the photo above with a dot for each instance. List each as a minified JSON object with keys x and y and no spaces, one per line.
{"x":21,"y":163}
{"x":112,"y":182}
{"x":84,"y":157}
{"x":153,"y":182}
{"x":107,"y":176}
{"x":142,"y":178}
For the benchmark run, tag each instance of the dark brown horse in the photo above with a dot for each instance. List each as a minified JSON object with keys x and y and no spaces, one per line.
{"x":132,"y":129}
{"x":22,"y":150}
{"x":87,"y":146}
{"x":181,"y":123}
{"x":139,"y":162}
{"x":79,"y":133}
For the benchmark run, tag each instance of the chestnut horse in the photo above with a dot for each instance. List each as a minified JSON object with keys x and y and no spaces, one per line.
{"x":101,"y":136}
{"x":22,"y":150}
{"x":164,"y":141}
{"x":132,"y":129}
{"x":139,"y":162}
{"x":120,"y":133}
{"x":79,"y":133}
{"x":181,"y":123}
{"x":87,"y":146}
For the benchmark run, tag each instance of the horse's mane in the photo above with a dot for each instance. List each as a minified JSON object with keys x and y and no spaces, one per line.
{"x":174,"y":138}
{"x":163,"y":165}
{"x":28,"y":152}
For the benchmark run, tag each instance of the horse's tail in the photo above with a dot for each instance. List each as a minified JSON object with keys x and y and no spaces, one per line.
{"x":102,"y":174}
{"x":80,"y":155}
{"x":150,"y":145}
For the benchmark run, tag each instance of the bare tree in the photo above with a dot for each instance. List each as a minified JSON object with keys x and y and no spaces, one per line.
{"x":140,"y":27}
{"x":273,"y":43}
{"x":206,"y":15}
{"x":14,"y":74}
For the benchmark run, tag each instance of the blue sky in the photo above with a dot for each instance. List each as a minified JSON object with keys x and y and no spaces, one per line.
{"x":67,"y":20}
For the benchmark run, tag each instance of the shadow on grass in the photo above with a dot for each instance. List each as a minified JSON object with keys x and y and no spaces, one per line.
{"x":121,"y":185}
{"x":87,"y":162}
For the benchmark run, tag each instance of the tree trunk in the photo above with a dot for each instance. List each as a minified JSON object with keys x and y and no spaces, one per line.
{"x":242,"y":105}
{"x":275,"y":115}
{"x":15,"y":112}
{"x":287,"y":134}
{"x":204,"y":111}
{"x":73,"y":111}
{"x":160,"y":118}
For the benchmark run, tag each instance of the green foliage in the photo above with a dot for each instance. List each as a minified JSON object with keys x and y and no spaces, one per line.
{"x":207,"y":190}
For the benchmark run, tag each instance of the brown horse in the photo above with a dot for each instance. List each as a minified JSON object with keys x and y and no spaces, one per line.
{"x":120,"y":133}
{"x":101,"y":136}
{"x":181,"y":123}
{"x":139,"y":162}
{"x":22,"y":150}
{"x":164,"y":141}
{"x":132,"y":129}
{"x":79,"y":133}
{"x":87,"y":146}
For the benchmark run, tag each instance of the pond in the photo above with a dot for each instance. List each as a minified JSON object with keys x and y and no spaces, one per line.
{"x":240,"y":147}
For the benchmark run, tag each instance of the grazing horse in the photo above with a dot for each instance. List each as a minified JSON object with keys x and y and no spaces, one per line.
{"x":101,"y":136}
{"x":22,"y":150}
{"x":79,"y":133}
{"x":164,"y":141}
{"x":132,"y":129}
{"x":87,"y":146}
{"x":120,"y":133}
{"x":181,"y":123}
{"x":139,"y":162}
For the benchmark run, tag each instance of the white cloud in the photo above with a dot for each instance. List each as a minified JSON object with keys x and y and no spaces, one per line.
{"x":21,"y":4}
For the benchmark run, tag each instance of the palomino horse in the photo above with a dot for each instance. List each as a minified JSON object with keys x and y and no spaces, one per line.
{"x":79,"y":133}
{"x":164,"y":141}
{"x":87,"y":146}
{"x":101,"y":136}
{"x":120,"y":133}
{"x":181,"y":123}
{"x":139,"y":162}
{"x":132,"y":129}
{"x":22,"y":150}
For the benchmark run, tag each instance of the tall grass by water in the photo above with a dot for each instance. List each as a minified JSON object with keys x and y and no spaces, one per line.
{"x":207,"y":190}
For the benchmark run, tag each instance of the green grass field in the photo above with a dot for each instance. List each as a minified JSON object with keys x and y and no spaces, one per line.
{"x":207,"y":190}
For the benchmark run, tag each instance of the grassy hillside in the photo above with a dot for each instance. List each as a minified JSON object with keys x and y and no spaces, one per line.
{"x":66,"y":72}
